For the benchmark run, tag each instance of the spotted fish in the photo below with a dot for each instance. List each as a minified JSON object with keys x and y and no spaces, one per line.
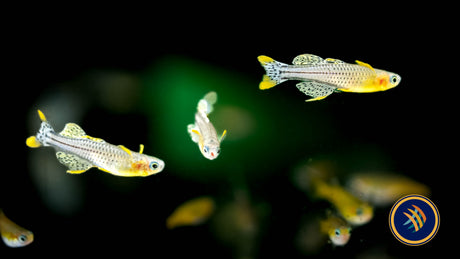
{"x":321,"y":77}
{"x":80,"y":152}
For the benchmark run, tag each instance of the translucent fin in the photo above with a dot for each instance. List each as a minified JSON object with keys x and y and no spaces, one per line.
{"x":224,"y":134}
{"x":307,"y":59}
{"x":194,"y":133}
{"x":272,"y":68}
{"x":32,"y":142}
{"x":315,"y":89}
{"x":72,"y":130}
{"x":206,"y":105}
{"x":75,"y":164}
{"x":364,"y":65}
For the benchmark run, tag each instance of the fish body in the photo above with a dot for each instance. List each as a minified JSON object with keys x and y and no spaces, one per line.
{"x":321,"y":77}
{"x":192,"y":212}
{"x":203,"y":132}
{"x":12,"y":234}
{"x":80,"y":152}
{"x":352,"y":209}
{"x":336,"y":229}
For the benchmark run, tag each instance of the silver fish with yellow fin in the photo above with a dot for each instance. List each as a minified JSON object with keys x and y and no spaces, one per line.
{"x":80,"y":152}
{"x":203,"y":132}
{"x":321,"y":77}
{"x":12,"y":234}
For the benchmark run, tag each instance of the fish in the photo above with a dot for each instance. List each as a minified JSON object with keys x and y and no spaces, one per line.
{"x":191,"y":213}
{"x":203,"y":132}
{"x":80,"y":152}
{"x":353,"y":210}
{"x":12,"y":234}
{"x":321,"y":77}
{"x":336,"y":229}
{"x":384,"y":188}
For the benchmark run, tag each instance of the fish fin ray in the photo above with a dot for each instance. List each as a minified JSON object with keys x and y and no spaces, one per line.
{"x":307,"y":59}
{"x":224,"y":134}
{"x":364,"y":65}
{"x":32,"y":142}
{"x":72,"y":130}
{"x":315,"y":89}
{"x":273,"y":73}
{"x":76,"y":164}
{"x":141,"y":149}
{"x":194,"y":133}
{"x":333,"y":61}
{"x":126,"y":150}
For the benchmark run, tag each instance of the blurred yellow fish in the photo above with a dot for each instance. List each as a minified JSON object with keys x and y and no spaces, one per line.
{"x":12,"y":234}
{"x":383,"y":189}
{"x":336,"y":229}
{"x":80,"y":152}
{"x":203,"y":132}
{"x":352,"y":209}
{"x":321,"y":77}
{"x":191,"y":213}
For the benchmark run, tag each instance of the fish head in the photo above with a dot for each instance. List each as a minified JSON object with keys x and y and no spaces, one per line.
{"x":210,"y":149}
{"x":360,"y":215}
{"x":19,"y":238}
{"x":386,"y":80}
{"x":339,"y":236}
{"x":147,"y":165}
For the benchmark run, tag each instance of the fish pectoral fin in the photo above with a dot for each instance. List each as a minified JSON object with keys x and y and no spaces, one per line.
{"x":126,"y":150}
{"x":317,"y":90}
{"x":364,"y":65}
{"x":33,"y":142}
{"x":76,"y":164}
{"x":224,"y":134}
{"x":194,"y":133}
{"x":307,"y":59}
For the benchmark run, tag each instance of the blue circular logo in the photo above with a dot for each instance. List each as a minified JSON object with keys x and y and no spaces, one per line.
{"x":414,"y":220}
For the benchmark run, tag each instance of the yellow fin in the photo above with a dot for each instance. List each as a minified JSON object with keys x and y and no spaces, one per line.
{"x":266,"y":83}
{"x":41,"y":115}
{"x":32,"y":142}
{"x":364,"y":65}
{"x":76,"y":171}
{"x":317,"y":98}
{"x":196,"y":132}
{"x":264,"y":59}
{"x":93,"y":138}
{"x":223,"y":136}
{"x":126,"y":150}
{"x":141,"y":148}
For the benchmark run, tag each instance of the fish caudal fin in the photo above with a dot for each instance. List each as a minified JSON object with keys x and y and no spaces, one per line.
{"x":41,"y":138}
{"x":206,"y":105}
{"x":272,"y":68}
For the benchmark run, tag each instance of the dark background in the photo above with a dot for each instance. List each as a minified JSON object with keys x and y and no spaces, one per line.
{"x":408,"y":124}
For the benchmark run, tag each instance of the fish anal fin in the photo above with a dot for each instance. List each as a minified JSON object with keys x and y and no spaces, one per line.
{"x":75,"y":164}
{"x":307,"y":59}
{"x":364,"y":65}
{"x":33,"y":142}
{"x":72,"y":130}
{"x":126,"y":150}
{"x":317,"y":90}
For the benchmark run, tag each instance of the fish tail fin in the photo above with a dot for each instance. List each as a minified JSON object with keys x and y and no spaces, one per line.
{"x":206,"y":105}
{"x":272,"y":68}
{"x":42,"y":136}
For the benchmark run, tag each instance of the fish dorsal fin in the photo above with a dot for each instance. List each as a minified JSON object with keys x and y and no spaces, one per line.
{"x":307,"y":59}
{"x":126,"y":150}
{"x":364,"y":65}
{"x":72,"y":130}
{"x":333,"y":61}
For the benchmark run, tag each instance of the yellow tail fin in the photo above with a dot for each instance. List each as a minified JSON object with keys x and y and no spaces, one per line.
{"x":272,"y":68}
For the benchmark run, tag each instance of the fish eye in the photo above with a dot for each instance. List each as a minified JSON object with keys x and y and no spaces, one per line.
{"x":154,"y":165}
{"x":218,"y":151}
{"x":337,"y":232}
{"x":22,"y":238}
{"x":394,"y":79}
{"x":206,"y":149}
{"x":359,"y":211}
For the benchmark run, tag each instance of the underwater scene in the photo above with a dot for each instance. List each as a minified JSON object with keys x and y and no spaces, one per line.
{"x":216,"y":146}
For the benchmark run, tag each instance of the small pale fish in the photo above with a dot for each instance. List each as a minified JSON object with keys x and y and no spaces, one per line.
{"x":191,"y":213}
{"x":80,"y":152}
{"x":336,"y":229}
{"x":321,"y":77}
{"x":12,"y":234}
{"x":203,"y":132}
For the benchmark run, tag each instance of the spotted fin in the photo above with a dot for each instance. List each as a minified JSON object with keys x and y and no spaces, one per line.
{"x":75,"y":164}
{"x":307,"y":59}
{"x":316,"y":90}
{"x":72,"y":130}
{"x":273,"y":70}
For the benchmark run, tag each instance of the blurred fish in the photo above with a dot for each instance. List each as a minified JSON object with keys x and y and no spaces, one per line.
{"x":12,"y":234}
{"x":383,"y":189}
{"x":191,"y":213}
{"x":321,"y":77}
{"x":352,"y":209}
{"x":336,"y":229}
{"x":80,"y":152}
{"x":203,"y":132}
